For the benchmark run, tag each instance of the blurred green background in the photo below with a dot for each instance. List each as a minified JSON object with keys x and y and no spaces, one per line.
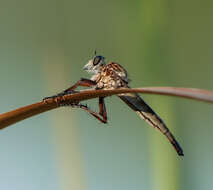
{"x":43,"y":46}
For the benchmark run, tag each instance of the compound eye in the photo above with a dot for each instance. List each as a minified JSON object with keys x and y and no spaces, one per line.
{"x":96,"y":60}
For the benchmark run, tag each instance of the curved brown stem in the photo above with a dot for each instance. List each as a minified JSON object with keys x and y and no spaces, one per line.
{"x":22,"y":113}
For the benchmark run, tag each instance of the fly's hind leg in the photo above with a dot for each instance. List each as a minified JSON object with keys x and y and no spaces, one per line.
{"x":102,"y":109}
{"x":102,"y":115}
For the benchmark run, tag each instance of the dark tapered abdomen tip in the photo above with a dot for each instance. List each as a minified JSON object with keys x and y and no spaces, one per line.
{"x":177,"y":147}
{"x":180,"y":153}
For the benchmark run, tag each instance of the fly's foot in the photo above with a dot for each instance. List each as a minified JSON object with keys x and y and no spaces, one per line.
{"x":61,"y":94}
{"x":74,"y":105}
{"x":68,"y":104}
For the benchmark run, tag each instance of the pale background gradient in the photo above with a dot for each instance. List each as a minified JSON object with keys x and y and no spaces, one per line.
{"x":43,"y":46}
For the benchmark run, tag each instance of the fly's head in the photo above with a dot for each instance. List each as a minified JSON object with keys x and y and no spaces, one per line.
{"x":94,"y":65}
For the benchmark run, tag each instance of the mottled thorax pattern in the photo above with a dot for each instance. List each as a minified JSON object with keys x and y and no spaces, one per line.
{"x":111,"y":76}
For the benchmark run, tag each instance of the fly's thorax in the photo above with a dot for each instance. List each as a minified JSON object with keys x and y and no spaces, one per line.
{"x":109,"y":82}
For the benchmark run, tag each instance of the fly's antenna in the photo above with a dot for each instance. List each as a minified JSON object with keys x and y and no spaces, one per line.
{"x":95,"y":52}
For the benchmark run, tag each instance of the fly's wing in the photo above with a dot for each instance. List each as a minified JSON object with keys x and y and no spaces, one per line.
{"x":135,"y":102}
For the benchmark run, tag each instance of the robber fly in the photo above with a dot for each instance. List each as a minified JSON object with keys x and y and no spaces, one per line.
{"x":112,"y":76}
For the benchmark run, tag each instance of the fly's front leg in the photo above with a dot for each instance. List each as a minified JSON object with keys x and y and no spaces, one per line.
{"x":82,"y":82}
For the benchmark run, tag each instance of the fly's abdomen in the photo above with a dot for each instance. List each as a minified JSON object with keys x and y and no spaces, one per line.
{"x":145,"y":112}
